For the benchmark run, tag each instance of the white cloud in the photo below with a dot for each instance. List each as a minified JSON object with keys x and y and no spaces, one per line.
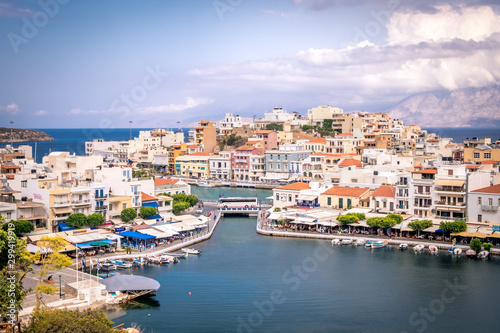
{"x":75,"y":111}
{"x":191,"y":103}
{"x":41,"y":113}
{"x":273,"y":12}
{"x":12,"y":109}
{"x":369,"y":73}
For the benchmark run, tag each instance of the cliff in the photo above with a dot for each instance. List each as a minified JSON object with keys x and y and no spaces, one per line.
{"x":23,"y":135}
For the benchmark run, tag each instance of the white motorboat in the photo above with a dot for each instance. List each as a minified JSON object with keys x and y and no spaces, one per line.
{"x":470,"y":253}
{"x":403,"y":246}
{"x":108,"y":267}
{"x":154,"y":260}
{"x":378,"y":244}
{"x":419,"y":247}
{"x":178,"y":255}
{"x":336,"y":241}
{"x":360,"y":242}
{"x":457,"y":251}
{"x":140,"y":261}
{"x":369,"y":243}
{"x":190,"y":251}
{"x":346,"y":241}
{"x":483,"y":254}
{"x":433,"y":249}
{"x":169,"y":259}
{"x":204,"y":184}
{"x":121,"y":264}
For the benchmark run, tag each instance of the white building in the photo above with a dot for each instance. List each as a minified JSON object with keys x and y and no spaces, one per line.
{"x":483,"y":204}
{"x":220,"y":166}
{"x":230,"y":121}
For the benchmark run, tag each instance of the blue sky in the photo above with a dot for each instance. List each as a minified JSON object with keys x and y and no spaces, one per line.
{"x":69,"y":63}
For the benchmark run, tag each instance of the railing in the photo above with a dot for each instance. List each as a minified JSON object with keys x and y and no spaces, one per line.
{"x":450,"y":189}
{"x":489,"y":208}
{"x":303,"y":204}
{"x":422,"y":193}
{"x":61,"y":204}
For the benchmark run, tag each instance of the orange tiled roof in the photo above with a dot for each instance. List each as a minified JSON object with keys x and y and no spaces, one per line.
{"x":11,"y":167}
{"x":472,"y":166}
{"x":432,"y":171}
{"x":488,"y":162}
{"x":317,"y":140}
{"x":346,"y":191}
{"x":167,"y":181}
{"x":295,"y":186}
{"x":433,"y":140}
{"x":192,"y":146}
{"x":147,"y":197}
{"x":350,"y":162}
{"x":200,"y":154}
{"x":344,"y":134}
{"x":490,"y":189}
{"x":385,"y":191}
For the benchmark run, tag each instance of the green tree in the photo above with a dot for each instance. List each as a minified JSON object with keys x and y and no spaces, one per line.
{"x":420,"y":225}
{"x":327,"y":125}
{"x":396,"y":217}
{"x":277,"y":209}
{"x":95,"y":219}
{"x":374,"y":222}
{"x":179,"y":206}
{"x":147,"y":211}
{"x":12,"y":272}
{"x":347,"y":219}
{"x":47,"y":320}
{"x":274,"y":127}
{"x":476,"y":245}
{"x":128,"y":214}
{"x":76,"y":220}
{"x":455,"y":226}
{"x":51,"y":260}
{"x":20,"y":227}
{"x":487,"y":246}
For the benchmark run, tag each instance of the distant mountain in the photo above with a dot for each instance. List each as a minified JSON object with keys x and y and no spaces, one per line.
{"x":459,"y":108}
{"x":22,"y":135}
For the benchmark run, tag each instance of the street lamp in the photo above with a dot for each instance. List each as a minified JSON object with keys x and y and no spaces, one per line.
{"x":130,"y":125}
{"x":60,"y":290}
{"x":11,"y":137}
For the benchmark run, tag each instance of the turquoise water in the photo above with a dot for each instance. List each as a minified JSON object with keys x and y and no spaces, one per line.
{"x":213,"y":193}
{"x":315,"y":288}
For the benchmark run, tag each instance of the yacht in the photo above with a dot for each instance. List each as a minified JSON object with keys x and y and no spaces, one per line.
{"x":121,"y":264}
{"x":378,"y":244}
{"x":191,"y":251}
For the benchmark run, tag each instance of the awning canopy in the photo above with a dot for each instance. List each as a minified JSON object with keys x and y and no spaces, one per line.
{"x":328,"y":223}
{"x":136,"y":235}
{"x":130,"y":283}
{"x":305,"y":220}
{"x":450,"y":182}
{"x":155,"y":217}
{"x":150,"y":204}
{"x":275,"y":216}
{"x":307,"y":197}
{"x":64,"y":227}
{"x":87,"y":245}
{"x":85,"y":238}
{"x":63,"y":210}
{"x":431,"y":229}
{"x":156,"y":232}
{"x":166,"y":228}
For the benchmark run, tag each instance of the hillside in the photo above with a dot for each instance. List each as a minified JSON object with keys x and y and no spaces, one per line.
{"x":459,"y":108}
{"x":23,"y":135}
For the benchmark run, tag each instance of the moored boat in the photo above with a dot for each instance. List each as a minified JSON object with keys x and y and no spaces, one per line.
{"x":346,"y":241}
{"x":470,"y":253}
{"x":457,"y":251}
{"x":378,"y":244}
{"x":419,"y":247}
{"x":140,"y":261}
{"x":360,"y":242}
{"x":154,"y":260}
{"x":121,"y":264}
{"x":369,"y":243}
{"x":433,"y":249}
{"x":336,"y":241}
{"x":205,"y":184}
{"x":190,"y":251}
{"x":178,"y":255}
{"x":108,"y":267}
{"x":403,"y":246}
{"x":483,"y":254}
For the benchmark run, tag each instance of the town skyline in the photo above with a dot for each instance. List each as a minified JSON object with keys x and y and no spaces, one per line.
{"x":100,"y":65}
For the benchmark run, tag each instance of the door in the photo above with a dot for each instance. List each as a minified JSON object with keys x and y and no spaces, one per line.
{"x":341,"y":202}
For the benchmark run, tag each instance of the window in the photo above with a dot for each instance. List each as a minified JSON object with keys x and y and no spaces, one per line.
{"x":290,"y":197}
{"x":476,"y":155}
{"x":24,"y":183}
{"x":124,"y":206}
{"x":385,"y":204}
{"x":487,"y":155}
{"x":9,"y":216}
{"x":450,"y":172}
{"x":479,"y":218}
{"x":277,"y":196}
{"x":490,"y":201}
{"x":479,"y":200}
{"x":329,"y":201}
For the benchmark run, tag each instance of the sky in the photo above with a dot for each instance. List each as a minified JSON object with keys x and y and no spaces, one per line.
{"x":102,"y":64}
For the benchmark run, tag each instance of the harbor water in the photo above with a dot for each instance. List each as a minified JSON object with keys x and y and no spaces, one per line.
{"x":244,"y":282}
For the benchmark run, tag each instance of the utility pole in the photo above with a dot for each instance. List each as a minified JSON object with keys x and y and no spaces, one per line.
{"x":11,"y":137}
{"x":130,"y":125}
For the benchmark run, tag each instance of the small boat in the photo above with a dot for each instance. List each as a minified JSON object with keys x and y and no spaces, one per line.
{"x":107,"y":274}
{"x":346,"y":241}
{"x":169,"y":259}
{"x":457,"y":251}
{"x":369,"y":243}
{"x":433,"y":249}
{"x":120,"y":264}
{"x":360,"y":242}
{"x":204,"y":184}
{"x":483,"y":254}
{"x":178,"y":255}
{"x":191,"y":251}
{"x":403,"y":246}
{"x":378,"y":244}
{"x":470,"y":253}
{"x":336,"y":241}
{"x":140,"y":261}
{"x":419,"y":247}
{"x":154,"y":260}
{"x":108,"y":267}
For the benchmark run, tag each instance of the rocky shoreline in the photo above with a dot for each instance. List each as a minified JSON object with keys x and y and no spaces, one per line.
{"x":22,"y":135}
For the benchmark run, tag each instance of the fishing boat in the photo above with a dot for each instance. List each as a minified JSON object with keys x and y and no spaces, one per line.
{"x":378,"y":244}
{"x":457,"y":251}
{"x":369,"y":243}
{"x":121,"y":264}
{"x":360,"y":242}
{"x":346,"y":241}
{"x":419,"y":247}
{"x":470,"y":253}
{"x":190,"y":251}
{"x":140,"y":261}
{"x":178,"y":255}
{"x":108,"y":267}
{"x":107,"y":274}
{"x":483,"y":254}
{"x":169,"y":259}
{"x":336,"y":241}
{"x":205,"y":184}
{"x":403,"y":246}
{"x":154,"y":260}
{"x":433,"y":249}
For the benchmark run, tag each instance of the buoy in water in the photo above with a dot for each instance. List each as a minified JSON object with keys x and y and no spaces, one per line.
{"x":149,"y":314}
{"x":189,"y":293}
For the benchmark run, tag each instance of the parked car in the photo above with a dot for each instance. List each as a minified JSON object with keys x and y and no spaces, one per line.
{"x":199,"y":210}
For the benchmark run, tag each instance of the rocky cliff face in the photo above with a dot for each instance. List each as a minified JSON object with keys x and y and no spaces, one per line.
{"x":465,"y":107}
{"x":23,"y":135}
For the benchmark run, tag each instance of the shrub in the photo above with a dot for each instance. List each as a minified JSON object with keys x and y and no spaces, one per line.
{"x":128,"y":214}
{"x":76,"y":220}
{"x":95,"y":219}
{"x":476,"y":245}
{"x":147,"y":211}
{"x":455,"y":226}
{"x":487,"y":246}
{"x":396,"y":217}
{"x":179,"y":207}
{"x":347,"y":219}
{"x":20,"y":227}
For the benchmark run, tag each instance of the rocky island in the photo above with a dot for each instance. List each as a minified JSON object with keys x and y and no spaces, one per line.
{"x":22,"y":135}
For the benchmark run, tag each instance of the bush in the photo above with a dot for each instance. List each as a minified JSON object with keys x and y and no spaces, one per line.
{"x":277,"y":209}
{"x":148,"y":211}
{"x":476,"y":245}
{"x":95,"y":219}
{"x":20,"y":227}
{"x":455,"y":226}
{"x":487,"y":246}
{"x":274,"y":127}
{"x":47,"y":320}
{"x":179,"y":207}
{"x":128,"y":214}
{"x":396,"y":217}
{"x":76,"y":220}
{"x":347,"y":219}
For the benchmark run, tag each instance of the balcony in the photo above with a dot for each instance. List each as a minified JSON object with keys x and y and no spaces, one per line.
{"x":450,"y":189}
{"x":489,"y":208}
{"x":101,"y":208}
{"x":418,"y":193}
{"x":451,"y":204}
{"x":80,"y":202}
{"x":62,"y":204}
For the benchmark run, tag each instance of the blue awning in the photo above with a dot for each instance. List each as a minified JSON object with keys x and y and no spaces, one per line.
{"x":440,"y":230}
{"x":138,"y":235}
{"x":150,"y":204}
{"x":155,"y":217}
{"x":64,"y":227}
{"x":90,"y":244}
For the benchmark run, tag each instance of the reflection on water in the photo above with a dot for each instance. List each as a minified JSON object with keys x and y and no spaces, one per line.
{"x":142,"y":303}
